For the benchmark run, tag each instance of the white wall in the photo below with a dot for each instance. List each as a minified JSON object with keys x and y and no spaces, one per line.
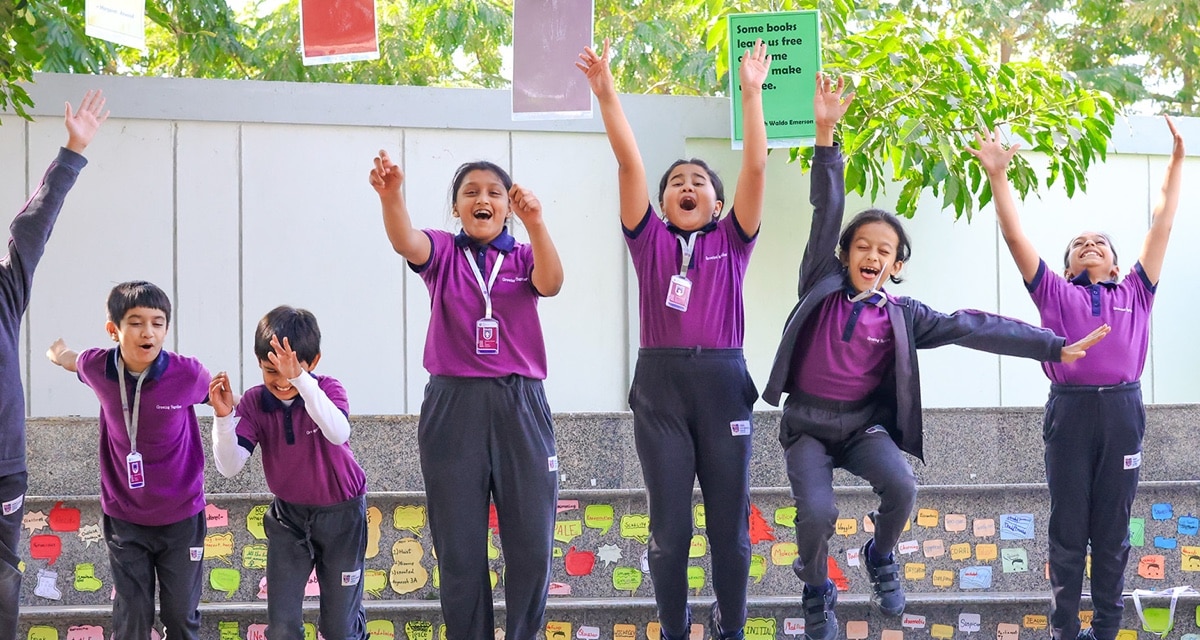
{"x":239,"y":196}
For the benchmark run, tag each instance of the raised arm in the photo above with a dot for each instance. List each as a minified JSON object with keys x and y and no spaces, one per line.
{"x":547,"y":274}
{"x":60,"y":355}
{"x":83,"y":124}
{"x":1155,"y":245}
{"x":631,"y":173}
{"x":994,"y":159}
{"x":386,"y":178}
{"x":748,"y":201}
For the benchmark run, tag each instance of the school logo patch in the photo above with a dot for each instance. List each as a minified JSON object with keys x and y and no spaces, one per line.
{"x":197,"y":553}
{"x":741,"y":428}
{"x":13,"y":506}
{"x":1134,"y":461}
{"x":552,"y":463}
{"x":351,"y":578}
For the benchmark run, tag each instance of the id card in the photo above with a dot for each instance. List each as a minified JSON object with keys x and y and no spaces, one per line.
{"x":133,"y":464}
{"x":679,"y":292}
{"x":487,"y":337}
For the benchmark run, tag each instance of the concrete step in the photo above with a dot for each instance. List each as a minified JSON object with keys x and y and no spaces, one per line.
{"x":1009,"y":616}
{"x":596,"y":451}
{"x":965,"y":540}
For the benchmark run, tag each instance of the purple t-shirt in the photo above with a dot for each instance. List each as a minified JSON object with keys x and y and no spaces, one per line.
{"x":845,"y":350}
{"x":301,"y":465}
{"x":715,"y":318}
{"x":457,"y":304}
{"x":1073,"y":309}
{"x":168,"y":437}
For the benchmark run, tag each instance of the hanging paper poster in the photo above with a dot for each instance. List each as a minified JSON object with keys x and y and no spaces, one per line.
{"x":338,"y":31}
{"x":119,"y":21}
{"x":548,"y":36}
{"x":794,"y":44}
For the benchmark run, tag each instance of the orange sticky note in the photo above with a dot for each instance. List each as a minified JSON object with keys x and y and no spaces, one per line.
{"x":985,"y":528}
{"x":960,"y":551}
{"x":846,"y":526}
{"x":985,"y":552}
{"x":1151,"y":567}
{"x":934,"y":548}
{"x":914,"y":571}
{"x":654,"y":631}
{"x":891,"y":634}
{"x":1085,"y":619}
{"x":956,"y":522}
{"x":868,"y":526}
{"x":927,"y":518}
{"x":1035,"y":622}
{"x":857,"y":630}
{"x":624,"y":632}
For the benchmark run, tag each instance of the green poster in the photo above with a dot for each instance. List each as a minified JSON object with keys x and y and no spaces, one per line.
{"x":794,"y":44}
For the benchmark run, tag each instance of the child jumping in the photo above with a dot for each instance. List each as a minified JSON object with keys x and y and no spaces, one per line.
{"x":1094,"y":416}
{"x":318,"y":519}
{"x":151,"y":462}
{"x":692,"y":396}
{"x":848,"y":363}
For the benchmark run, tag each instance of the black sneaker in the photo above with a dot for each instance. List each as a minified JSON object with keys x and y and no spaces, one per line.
{"x":888,"y":598}
{"x":714,"y":627}
{"x":820,"y":623}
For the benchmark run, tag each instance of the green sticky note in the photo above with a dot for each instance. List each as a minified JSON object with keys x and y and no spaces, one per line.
{"x":1137,"y":532}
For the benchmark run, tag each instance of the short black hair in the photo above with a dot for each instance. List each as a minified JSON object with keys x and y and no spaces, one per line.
{"x":479,"y":165}
{"x":136,"y":293}
{"x":718,"y":186}
{"x":903,"y":251}
{"x":299,"y":326}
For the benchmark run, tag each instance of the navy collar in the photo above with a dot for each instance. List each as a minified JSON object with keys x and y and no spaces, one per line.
{"x":1084,"y":280}
{"x":502,"y":243}
{"x":708,"y":228}
{"x":153,"y":372}
{"x":876,"y":300}
{"x":271,"y":404}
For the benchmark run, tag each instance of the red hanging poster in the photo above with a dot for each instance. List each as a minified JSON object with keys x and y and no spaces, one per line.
{"x":338,"y":31}
{"x":548,"y":36}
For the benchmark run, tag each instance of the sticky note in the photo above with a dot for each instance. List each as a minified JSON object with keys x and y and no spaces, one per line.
{"x":914,"y":571}
{"x":567,"y":530}
{"x":1137,"y":532}
{"x":846,"y":526}
{"x":975,"y":577}
{"x":934,"y":548}
{"x":960,"y":551}
{"x":1016,"y":526}
{"x":1085,"y":619}
{"x":1007,"y":631}
{"x":968,"y":622}
{"x":1035,"y":622}
{"x":1190,"y":558}
{"x":984,"y":527}
{"x":927,"y":518}
{"x":956,"y":522}
{"x":1188,"y":525}
{"x":985,"y":552}
{"x":942,"y":631}
{"x":1162,"y":511}
{"x":636,"y":526}
{"x":599,"y":517}
{"x":1014,"y":560}
{"x":912,"y":621}
{"x":1151,"y":567}
{"x":783,"y":553}
{"x":762,"y":628}
{"x":868,"y":526}
{"x":786,"y":517}
{"x":857,"y":630}
{"x":908,"y":547}
{"x":1163,"y":542}
{"x":943,"y":578}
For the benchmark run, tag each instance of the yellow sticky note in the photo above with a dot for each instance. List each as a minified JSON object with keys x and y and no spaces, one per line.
{"x":985,"y":528}
{"x":1190,"y":557}
{"x":1035,"y":622}
{"x":857,"y":630}
{"x":624,"y":632}
{"x":960,"y":551}
{"x":914,"y":571}
{"x":927,"y":518}
{"x":942,"y":631}
{"x":985,"y":552}
{"x":1127,"y":634}
{"x":943,"y":578}
{"x":956,"y":522}
{"x":846,"y":526}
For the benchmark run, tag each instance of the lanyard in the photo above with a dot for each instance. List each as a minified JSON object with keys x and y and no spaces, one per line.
{"x":131,"y":417}
{"x":486,"y":289}
{"x":687,"y":247}
{"x":874,"y":290}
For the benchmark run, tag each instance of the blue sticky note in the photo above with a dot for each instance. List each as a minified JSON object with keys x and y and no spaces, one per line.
{"x":1163,"y":542}
{"x":975,"y":578}
{"x":1189,"y":525}
{"x":1016,"y":526}
{"x":1162,"y":511}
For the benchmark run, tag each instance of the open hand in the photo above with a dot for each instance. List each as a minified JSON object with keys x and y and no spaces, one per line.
{"x":82,"y":124}
{"x":386,"y":177}
{"x":284,"y":359}
{"x":755,"y":66}
{"x":829,"y":105}
{"x":1073,"y":352}
{"x":596,"y":68}
{"x":991,"y":152}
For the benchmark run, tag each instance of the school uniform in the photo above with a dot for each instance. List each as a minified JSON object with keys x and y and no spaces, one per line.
{"x":485,"y":431}
{"x":851,"y":374}
{"x":1093,"y":432}
{"x":155,"y":531}
{"x":30,"y":230}
{"x":692,"y":400}
{"x":318,"y":519}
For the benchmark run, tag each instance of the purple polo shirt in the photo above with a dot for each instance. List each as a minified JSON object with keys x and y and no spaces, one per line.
{"x":456,"y":303}
{"x":846,"y":349}
{"x":1073,"y":309}
{"x":301,"y":465}
{"x":715,"y":318}
{"x":168,"y":437}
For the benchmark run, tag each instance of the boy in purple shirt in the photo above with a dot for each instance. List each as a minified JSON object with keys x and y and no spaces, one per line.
{"x":692,"y":396}
{"x":319,"y":516}
{"x":848,"y":362}
{"x":30,"y":232}
{"x":486,"y":431}
{"x":1094,"y":417}
{"x":151,"y":462}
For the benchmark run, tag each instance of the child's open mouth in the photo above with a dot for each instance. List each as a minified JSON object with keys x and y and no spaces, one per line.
{"x":482,"y":214}
{"x":687,"y":203}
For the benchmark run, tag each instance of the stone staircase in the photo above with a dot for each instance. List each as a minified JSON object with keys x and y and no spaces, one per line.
{"x":974,"y":557}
